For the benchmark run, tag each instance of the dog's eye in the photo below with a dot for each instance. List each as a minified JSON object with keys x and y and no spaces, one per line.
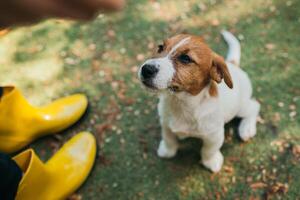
{"x":160,"y":48}
{"x":185,"y":59}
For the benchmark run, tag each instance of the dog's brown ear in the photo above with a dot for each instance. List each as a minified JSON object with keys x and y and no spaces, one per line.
{"x":219,"y":71}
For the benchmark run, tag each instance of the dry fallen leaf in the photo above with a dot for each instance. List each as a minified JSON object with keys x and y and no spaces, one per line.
{"x":276,"y":117}
{"x":292,"y":107}
{"x":296,"y":150}
{"x":215,"y":22}
{"x":273,"y":158}
{"x":280,"y":104}
{"x":111,"y":33}
{"x":258,"y":185}
{"x":293,"y":114}
{"x":140,"y":57}
{"x":254,"y":198}
{"x":270,"y":46}
{"x":249,"y":179}
{"x":260,"y":120}
{"x":151,"y":45}
{"x":228,"y":169}
{"x":75,"y":197}
{"x":278,"y":188}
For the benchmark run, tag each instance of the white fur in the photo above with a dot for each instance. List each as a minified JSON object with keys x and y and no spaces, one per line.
{"x":165,"y":73}
{"x":234,"y":52}
{"x":202,"y":116}
{"x":179,"y":44}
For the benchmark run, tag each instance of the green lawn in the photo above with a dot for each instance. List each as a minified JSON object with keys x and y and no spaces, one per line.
{"x":56,"y":58}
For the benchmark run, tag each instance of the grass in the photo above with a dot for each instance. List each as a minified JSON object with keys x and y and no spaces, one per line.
{"x":56,"y":58}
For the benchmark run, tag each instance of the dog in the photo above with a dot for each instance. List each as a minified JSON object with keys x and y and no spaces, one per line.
{"x":198,"y":93}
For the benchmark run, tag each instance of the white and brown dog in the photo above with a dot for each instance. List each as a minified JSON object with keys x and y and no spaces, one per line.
{"x":198,"y":93}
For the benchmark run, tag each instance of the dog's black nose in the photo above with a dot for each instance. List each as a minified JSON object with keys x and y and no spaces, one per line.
{"x":148,"y":71}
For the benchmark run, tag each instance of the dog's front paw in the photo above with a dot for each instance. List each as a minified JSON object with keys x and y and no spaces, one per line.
{"x":214,"y":163}
{"x":165,"y":151}
{"x":247,"y":129}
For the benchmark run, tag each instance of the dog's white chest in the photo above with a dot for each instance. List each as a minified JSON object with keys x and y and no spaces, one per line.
{"x":180,"y":127}
{"x":181,"y":121}
{"x":189,"y":120}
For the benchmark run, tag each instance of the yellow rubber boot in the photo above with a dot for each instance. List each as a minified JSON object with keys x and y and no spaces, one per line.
{"x":61,"y":175}
{"x":21,"y":123}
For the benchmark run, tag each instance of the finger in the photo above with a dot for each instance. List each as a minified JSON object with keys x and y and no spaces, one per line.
{"x":75,"y":9}
{"x":51,"y":8}
{"x":12,"y":15}
{"x":97,"y":5}
{"x":108,"y":5}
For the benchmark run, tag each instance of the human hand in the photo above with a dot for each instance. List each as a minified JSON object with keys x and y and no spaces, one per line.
{"x":19,"y":12}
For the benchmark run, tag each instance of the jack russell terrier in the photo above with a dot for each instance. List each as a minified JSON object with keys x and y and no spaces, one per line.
{"x":198,"y":93}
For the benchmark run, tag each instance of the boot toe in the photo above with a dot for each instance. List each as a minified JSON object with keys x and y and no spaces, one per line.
{"x":63,"y":113}
{"x":73,"y":162}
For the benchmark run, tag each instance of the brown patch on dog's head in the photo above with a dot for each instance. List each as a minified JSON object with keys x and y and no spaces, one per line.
{"x":196,"y":65}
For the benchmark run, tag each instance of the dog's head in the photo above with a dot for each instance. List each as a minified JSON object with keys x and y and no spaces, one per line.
{"x":184,"y":63}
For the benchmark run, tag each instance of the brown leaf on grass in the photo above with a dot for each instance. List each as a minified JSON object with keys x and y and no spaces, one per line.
{"x":134,"y":69}
{"x":228,"y":169}
{"x":278,"y":188}
{"x":112,"y":111}
{"x":296,"y":151}
{"x":218,"y":196}
{"x":276,"y":117}
{"x":202,"y":7}
{"x":254,"y":198}
{"x":280,"y":104}
{"x":258,"y":185}
{"x":280,"y":144}
{"x":224,"y":189}
{"x":110,"y":114}
{"x":103,"y":127}
{"x":128,"y":101}
{"x":213,"y":176}
{"x":249,"y":179}
{"x":100,"y":131}
{"x":273,"y":158}
{"x":151,"y":45}
{"x":292,"y":107}
{"x":140,"y":57}
{"x":75,"y":197}
{"x":215,"y":22}
{"x":143,"y":142}
{"x":120,"y":87}
{"x":260,"y":120}
{"x":233,"y":158}
{"x":104,"y":160}
{"x":270,"y":46}
{"x":292,"y":114}
{"x":111,"y":33}
{"x":140,"y":194}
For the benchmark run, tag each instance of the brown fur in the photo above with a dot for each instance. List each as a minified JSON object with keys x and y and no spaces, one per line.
{"x":213,"y":90}
{"x":207,"y":68}
{"x":220,"y":71}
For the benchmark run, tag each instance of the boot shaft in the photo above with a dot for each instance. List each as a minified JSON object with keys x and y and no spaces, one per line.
{"x":15,"y":112}
{"x":34,"y":174}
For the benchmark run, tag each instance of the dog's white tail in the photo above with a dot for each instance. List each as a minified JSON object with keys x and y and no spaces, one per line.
{"x":234,"y":52}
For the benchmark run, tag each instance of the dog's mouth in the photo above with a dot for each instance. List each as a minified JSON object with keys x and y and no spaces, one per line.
{"x":174,"y":88}
{"x":149,"y":84}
